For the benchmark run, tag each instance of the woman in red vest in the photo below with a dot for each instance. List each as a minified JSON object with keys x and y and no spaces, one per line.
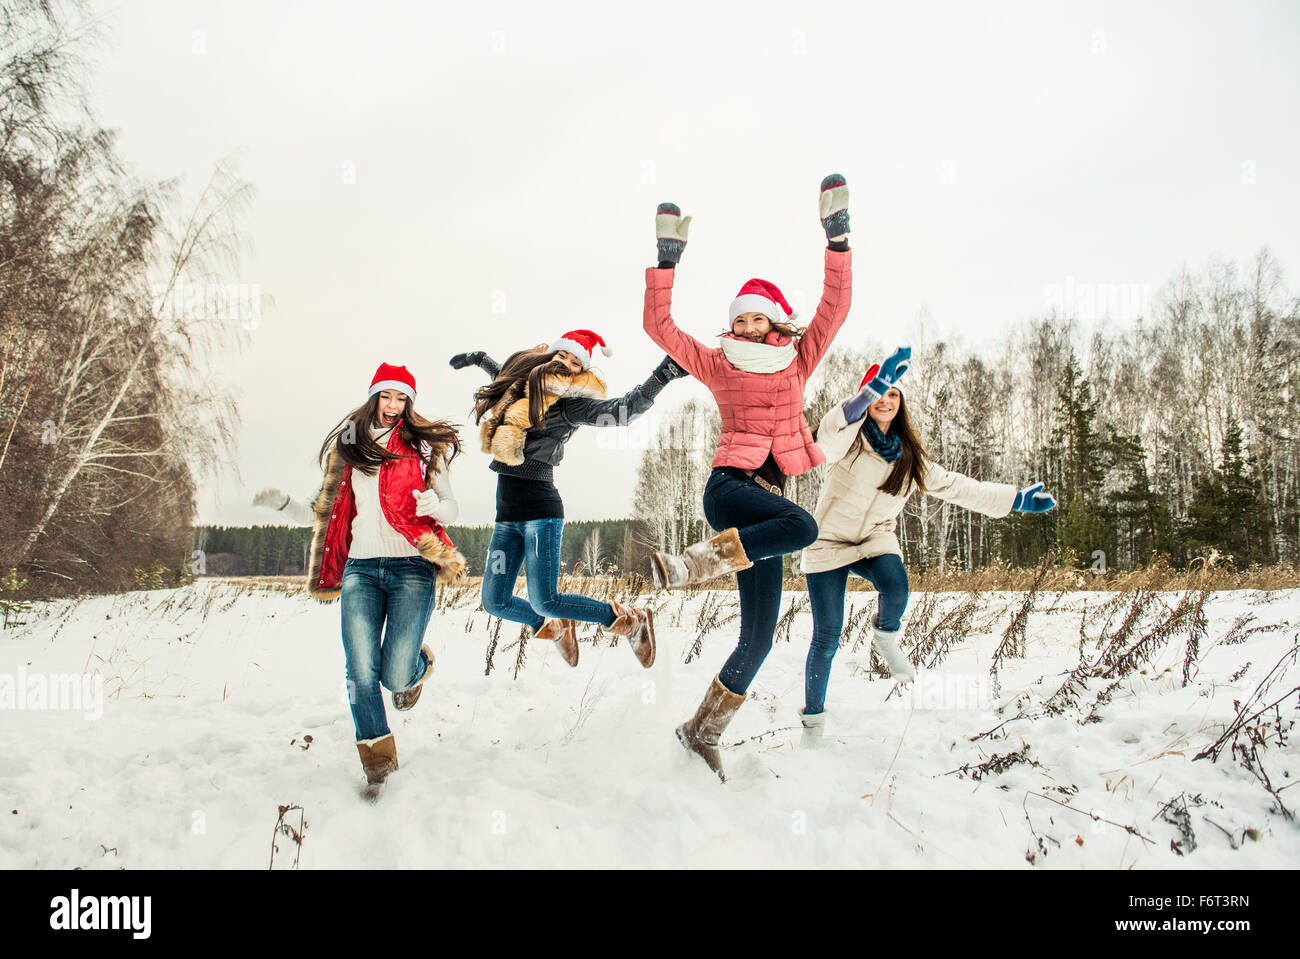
{"x":757,"y":375}
{"x":378,"y":543}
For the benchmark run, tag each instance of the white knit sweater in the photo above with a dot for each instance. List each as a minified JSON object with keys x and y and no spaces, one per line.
{"x":372,"y":534}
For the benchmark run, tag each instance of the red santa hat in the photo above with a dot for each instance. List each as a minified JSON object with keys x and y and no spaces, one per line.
{"x":389,"y":377}
{"x":580,"y":343}
{"x":760,"y":296}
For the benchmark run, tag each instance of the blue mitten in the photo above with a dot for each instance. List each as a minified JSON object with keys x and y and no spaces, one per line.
{"x":882,"y":376}
{"x":1032,"y":499}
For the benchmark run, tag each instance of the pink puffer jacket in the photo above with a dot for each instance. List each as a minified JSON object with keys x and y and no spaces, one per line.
{"x":760,"y":411}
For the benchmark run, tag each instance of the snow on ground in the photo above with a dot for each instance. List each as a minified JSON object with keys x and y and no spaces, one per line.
{"x":209,"y":693}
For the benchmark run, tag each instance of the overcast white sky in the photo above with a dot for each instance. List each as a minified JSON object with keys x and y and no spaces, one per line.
{"x":437,"y":178}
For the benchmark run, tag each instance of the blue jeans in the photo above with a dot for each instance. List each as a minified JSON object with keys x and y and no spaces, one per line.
{"x":826,"y":594}
{"x":535,"y":545}
{"x":769,"y":527}
{"x":386,"y":603}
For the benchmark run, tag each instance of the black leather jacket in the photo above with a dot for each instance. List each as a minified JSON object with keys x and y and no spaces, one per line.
{"x":544,"y":445}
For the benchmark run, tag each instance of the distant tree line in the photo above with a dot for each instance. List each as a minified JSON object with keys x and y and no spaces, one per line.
{"x":592,"y":547}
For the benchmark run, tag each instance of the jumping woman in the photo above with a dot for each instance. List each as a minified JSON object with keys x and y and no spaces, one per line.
{"x":878,"y":462}
{"x":378,"y":542}
{"x":757,"y":375}
{"x":536,"y":401}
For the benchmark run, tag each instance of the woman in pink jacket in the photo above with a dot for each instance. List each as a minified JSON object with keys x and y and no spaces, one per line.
{"x":757,"y":375}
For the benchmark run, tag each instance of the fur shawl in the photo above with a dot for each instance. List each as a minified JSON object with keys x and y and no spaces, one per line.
{"x":503,"y":428}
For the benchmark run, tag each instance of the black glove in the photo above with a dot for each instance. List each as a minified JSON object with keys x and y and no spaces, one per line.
{"x":462,"y":360}
{"x":667,"y":371}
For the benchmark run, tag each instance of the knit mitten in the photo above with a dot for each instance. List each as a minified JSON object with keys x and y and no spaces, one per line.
{"x":670,"y":232}
{"x":271,"y":498}
{"x":881,"y":377}
{"x":1032,"y":499}
{"x":835,"y":207}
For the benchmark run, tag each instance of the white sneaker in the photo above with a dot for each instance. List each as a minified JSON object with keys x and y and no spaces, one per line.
{"x":886,"y":645}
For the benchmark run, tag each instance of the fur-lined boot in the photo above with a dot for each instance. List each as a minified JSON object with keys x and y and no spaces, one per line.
{"x":562,"y":633}
{"x":701,"y":562}
{"x":409,"y":697}
{"x":638,"y":625}
{"x":378,"y":758}
{"x":702,"y":732}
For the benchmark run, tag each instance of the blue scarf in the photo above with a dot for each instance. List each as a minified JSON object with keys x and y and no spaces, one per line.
{"x":887,"y":445}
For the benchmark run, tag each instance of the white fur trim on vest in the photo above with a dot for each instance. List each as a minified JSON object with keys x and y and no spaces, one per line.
{"x":398,"y":385}
{"x":757,"y":303}
{"x":757,"y":357}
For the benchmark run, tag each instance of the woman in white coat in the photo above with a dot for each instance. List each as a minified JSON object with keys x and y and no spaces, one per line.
{"x":877,"y":463}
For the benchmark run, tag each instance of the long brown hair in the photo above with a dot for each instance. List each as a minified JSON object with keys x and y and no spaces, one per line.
{"x":909,"y":469}
{"x":352,"y":439}
{"x":526,"y":366}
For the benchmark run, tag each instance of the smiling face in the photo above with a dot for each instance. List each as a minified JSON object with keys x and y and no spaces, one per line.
{"x":571,"y":362}
{"x":751,"y":326}
{"x":392,"y":403}
{"x":885,"y":409}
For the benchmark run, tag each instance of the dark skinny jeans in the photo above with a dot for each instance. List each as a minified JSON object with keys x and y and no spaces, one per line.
{"x":826,"y":595}
{"x":769,"y":526}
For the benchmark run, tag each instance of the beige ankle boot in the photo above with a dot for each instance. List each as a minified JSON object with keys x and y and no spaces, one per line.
{"x":378,"y":758}
{"x":561,"y":632}
{"x":638,"y":625}
{"x":701,"y":733}
{"x":700,"y":562}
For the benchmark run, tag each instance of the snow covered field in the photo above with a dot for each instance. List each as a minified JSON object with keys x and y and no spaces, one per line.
{"x":200,"y":733}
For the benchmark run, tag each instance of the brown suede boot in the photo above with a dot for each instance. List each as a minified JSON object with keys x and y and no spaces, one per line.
{"x":700,"y":562}
{"x":561,"y":632}
{"x":638,"y":625}
{"x":409,"y":697}
{"x":378,"y":758}
{"x":702,"y":731}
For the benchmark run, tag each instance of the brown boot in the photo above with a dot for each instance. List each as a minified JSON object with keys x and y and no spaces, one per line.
{"x":378,"y":758}
{"x":702,"y":731}
{"x":561,"y":632}
{"x":638,"y":625}
{"x":409,"y":697}
{"x":700,"y":562}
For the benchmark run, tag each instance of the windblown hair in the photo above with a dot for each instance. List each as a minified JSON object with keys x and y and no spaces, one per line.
{"x":352,"y":439}
{"x":909,"y":469}
{"x":530,"y":366}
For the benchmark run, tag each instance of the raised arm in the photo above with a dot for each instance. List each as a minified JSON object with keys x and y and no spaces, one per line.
{"x":583,"y":411}
{"x":478,"y":358}
{"x":670,"y":234}
{"x":837,"y":281}
{"x":835,"y":433}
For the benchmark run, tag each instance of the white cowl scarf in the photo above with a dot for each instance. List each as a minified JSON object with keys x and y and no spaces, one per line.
{"x":758,"y":357}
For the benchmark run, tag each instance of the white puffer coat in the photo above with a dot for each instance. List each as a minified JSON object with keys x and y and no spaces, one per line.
{"x":856,"y":519}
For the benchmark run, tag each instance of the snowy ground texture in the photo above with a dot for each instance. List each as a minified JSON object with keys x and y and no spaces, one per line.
{"x":224,"y":701}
